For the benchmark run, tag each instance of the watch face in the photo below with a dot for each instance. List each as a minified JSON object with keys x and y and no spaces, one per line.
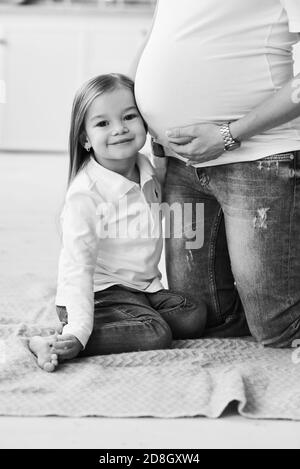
{"x":232,"y":146}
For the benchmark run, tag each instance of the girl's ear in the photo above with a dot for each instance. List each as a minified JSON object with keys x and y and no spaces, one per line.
{"x":83,"y":139}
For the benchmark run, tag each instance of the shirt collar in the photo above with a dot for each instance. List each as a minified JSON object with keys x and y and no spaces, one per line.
{"x":113,"y":185}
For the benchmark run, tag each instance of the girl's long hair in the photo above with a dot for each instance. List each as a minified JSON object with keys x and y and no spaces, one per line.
{"x":83,"y":99}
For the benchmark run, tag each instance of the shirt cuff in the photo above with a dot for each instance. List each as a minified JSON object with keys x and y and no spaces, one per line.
{"x":80,"y":333}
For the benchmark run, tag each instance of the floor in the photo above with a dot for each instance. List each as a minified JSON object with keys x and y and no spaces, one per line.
{"x":144,"y":433}
{"x":31,"y":193}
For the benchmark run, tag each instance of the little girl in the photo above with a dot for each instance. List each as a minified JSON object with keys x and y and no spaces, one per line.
{"x":110,"y":298}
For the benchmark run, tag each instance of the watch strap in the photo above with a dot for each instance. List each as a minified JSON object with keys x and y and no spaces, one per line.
{"x":229,"y":141}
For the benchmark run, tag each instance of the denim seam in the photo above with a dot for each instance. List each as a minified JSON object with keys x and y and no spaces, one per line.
{"x":169,"y":294}
{"x":211,"y":261}
{"x":290,"y":232}
{"x":137,"y":322}
{"x":126,"y":313}
{"x":212,"y":255}
{"x":169,"y":312}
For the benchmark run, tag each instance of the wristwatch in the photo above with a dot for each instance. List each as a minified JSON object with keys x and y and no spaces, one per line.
{"x":230,"y":143}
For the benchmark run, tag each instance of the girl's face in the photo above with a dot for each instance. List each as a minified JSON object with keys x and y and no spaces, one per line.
{"x":114,"y":127}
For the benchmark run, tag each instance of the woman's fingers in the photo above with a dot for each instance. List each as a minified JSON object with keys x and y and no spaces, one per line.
{"x":180,"y":140}
{"x":188,"y":131}
{"x":186,"y":151}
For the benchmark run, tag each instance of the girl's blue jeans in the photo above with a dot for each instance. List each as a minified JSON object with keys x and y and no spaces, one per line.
{"x":248,"y":269}
{"x":130,"y":320}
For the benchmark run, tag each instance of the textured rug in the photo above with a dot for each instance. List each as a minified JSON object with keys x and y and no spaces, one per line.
{"x":200,"y":377}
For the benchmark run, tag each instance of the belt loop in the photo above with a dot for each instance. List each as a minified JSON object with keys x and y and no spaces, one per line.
{"x":157,"y":149}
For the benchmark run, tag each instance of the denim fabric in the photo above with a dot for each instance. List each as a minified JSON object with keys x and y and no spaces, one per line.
{"x":249,"y":264}
{"x":130,"y":320}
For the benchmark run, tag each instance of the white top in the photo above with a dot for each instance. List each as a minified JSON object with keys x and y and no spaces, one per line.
{"x":109,"y":238}
{"x":214,"y":61}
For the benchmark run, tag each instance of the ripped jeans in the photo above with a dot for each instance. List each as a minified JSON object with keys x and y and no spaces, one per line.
{"x":248,"y":269}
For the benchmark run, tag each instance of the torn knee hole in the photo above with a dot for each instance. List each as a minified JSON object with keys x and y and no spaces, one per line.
{"x":260,"y":220}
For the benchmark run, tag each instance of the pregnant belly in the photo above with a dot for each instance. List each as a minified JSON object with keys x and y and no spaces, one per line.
{"x":165,"y":95}
{"x":174,"y":88}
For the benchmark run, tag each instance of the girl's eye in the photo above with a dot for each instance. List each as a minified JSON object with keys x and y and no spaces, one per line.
{"x":102,"y":123}
{"x":130,"y":117}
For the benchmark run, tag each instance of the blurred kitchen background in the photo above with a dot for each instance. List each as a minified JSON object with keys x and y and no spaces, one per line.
{"x":47,"y":49}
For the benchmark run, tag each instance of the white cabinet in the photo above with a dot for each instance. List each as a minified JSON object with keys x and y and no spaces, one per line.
{"x":44,"y":60}
{"x":113,"y":47}
{"x":40,"y":74}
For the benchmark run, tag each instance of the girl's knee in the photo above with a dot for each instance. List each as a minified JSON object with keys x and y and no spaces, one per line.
{"x":160,"y":336}
{"x":190,"y":324}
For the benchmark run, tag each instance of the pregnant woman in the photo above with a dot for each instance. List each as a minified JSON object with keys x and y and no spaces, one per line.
{"x":215,"y":84}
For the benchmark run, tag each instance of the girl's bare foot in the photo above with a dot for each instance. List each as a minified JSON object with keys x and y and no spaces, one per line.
{"x":42,"y":347}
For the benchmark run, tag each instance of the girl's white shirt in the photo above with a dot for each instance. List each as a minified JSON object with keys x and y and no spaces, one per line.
{"x":111,"y":234}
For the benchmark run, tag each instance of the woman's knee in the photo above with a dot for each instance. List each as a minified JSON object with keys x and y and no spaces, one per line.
{"x":277,"y":335}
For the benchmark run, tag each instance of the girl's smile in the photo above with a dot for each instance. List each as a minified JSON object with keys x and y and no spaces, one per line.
{"x":122,"y":141}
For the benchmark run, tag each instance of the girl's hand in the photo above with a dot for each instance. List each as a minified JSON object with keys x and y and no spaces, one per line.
{"x":199,"y":143}
{"x":67,"y":346}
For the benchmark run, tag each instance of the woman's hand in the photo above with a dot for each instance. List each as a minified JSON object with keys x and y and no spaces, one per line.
{"x":67,"y":346}
{"x":199,"y":142}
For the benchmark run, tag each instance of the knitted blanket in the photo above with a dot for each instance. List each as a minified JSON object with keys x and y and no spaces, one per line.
{"x":194,"y":377}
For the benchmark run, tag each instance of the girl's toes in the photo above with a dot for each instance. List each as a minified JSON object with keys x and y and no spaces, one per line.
{"x":54,"y":359}
{"x":49,"y":367}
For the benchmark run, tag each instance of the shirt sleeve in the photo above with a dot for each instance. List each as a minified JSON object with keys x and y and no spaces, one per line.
{"x":79,"y":253}
{"x":292,"y":8}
